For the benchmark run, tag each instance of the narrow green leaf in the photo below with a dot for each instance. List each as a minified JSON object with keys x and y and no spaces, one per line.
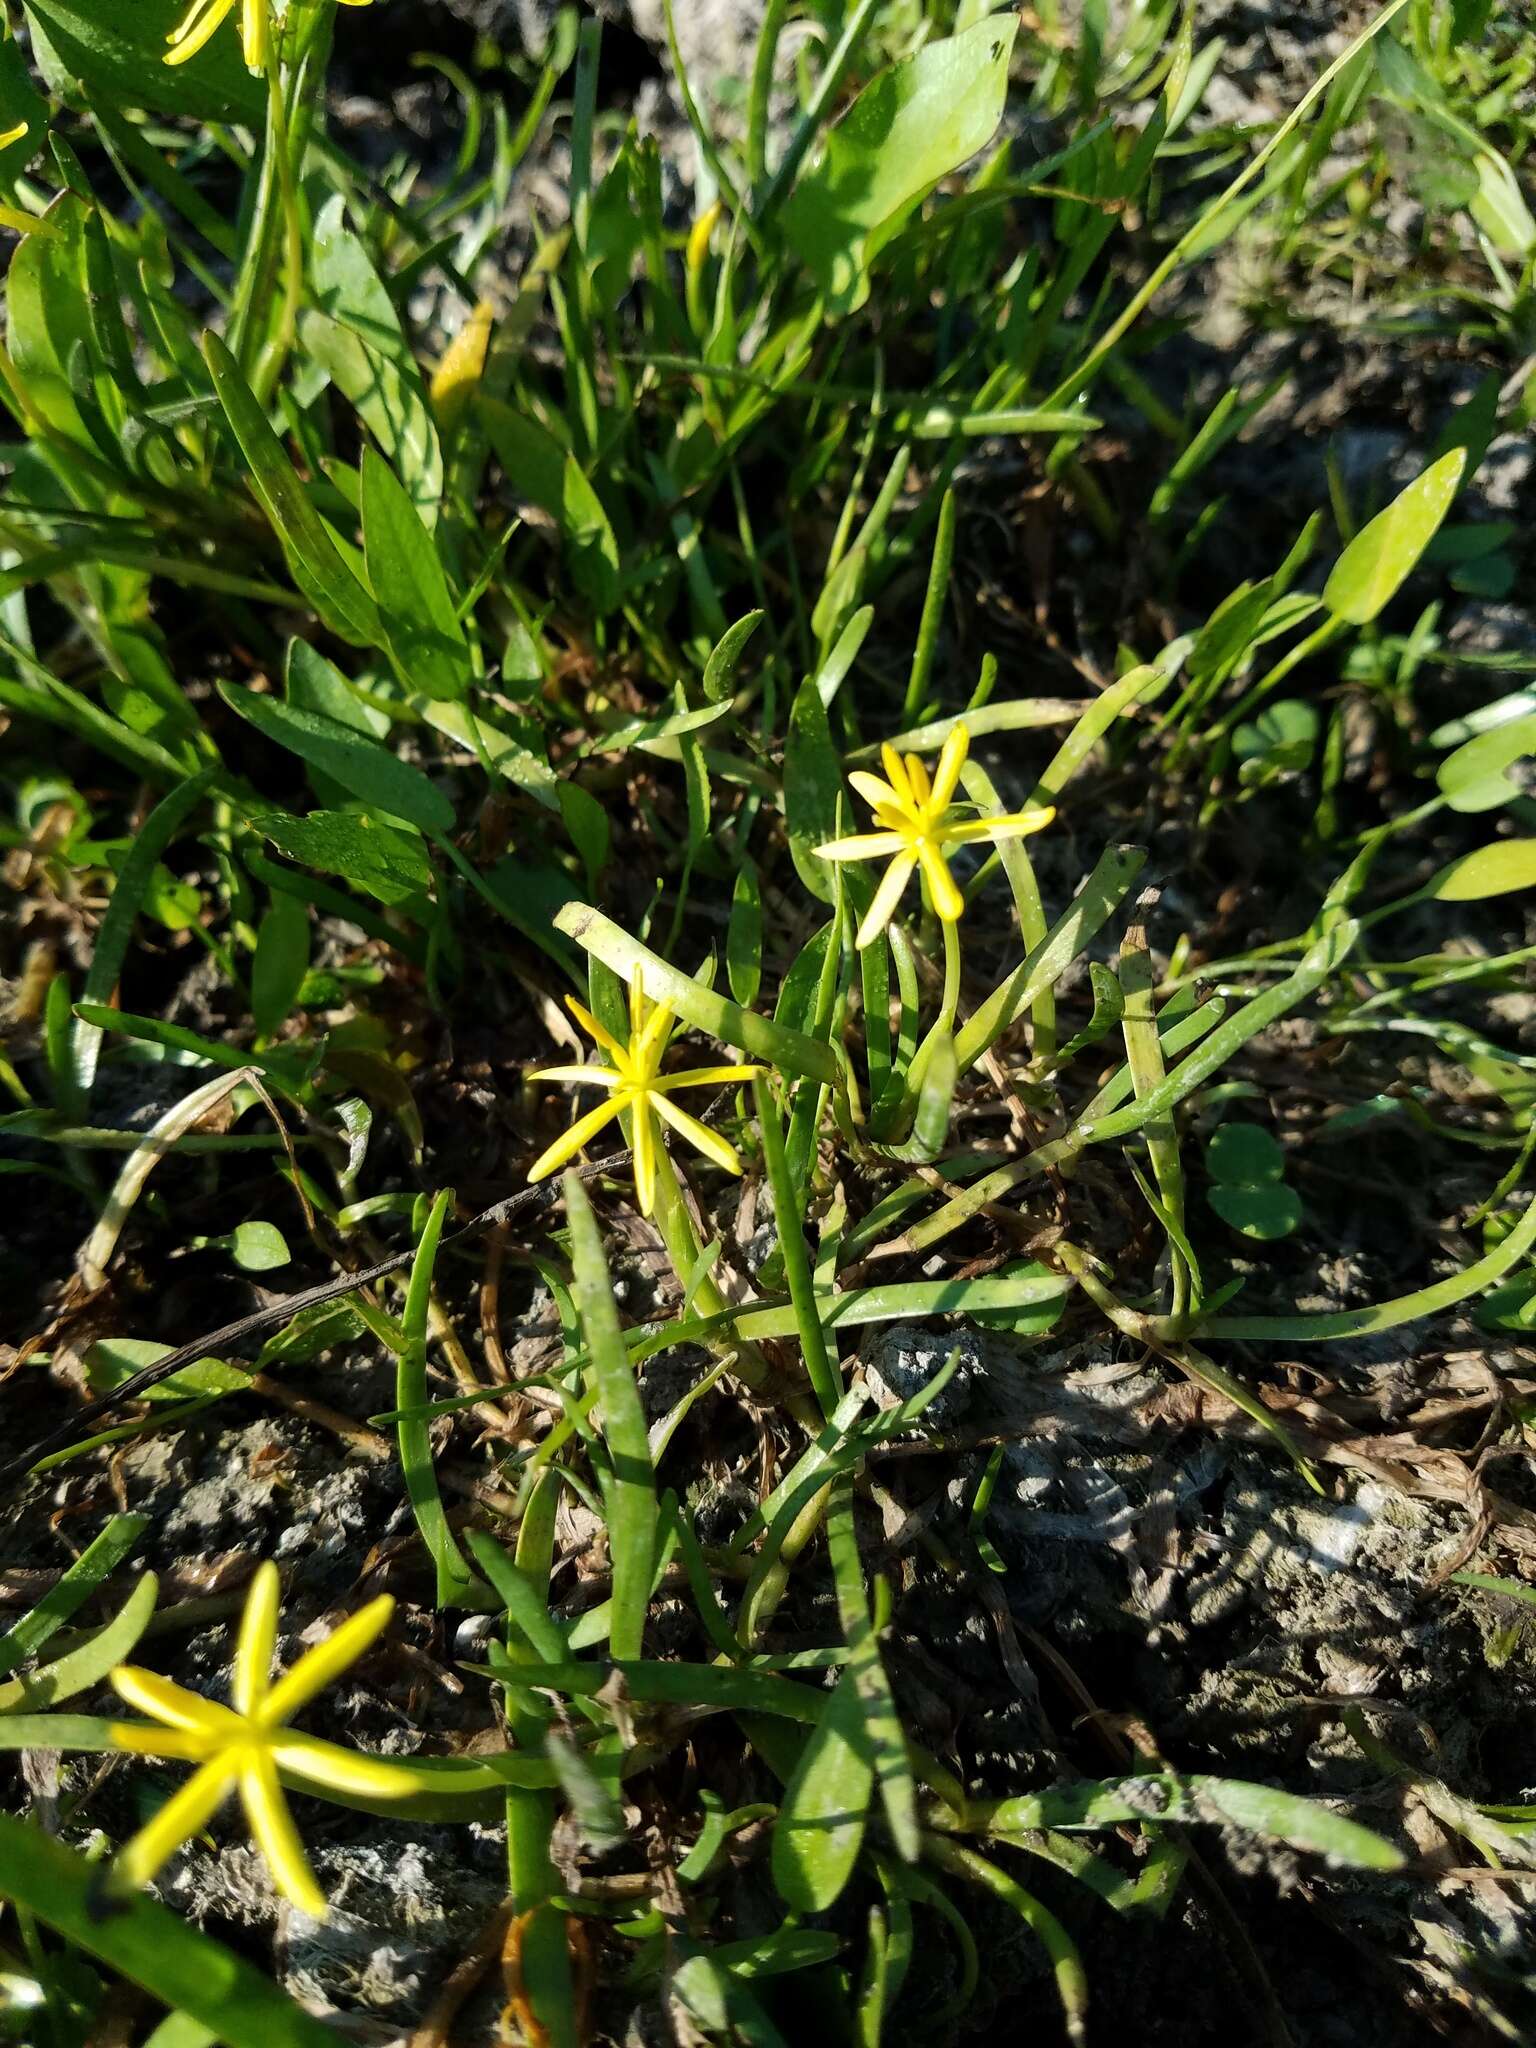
{"x":96,"y":1562}
{"x":456,"y":1584}
{"x":116,"y":932}
{"x":631,"y":1491}
{"x":87,"y":1665}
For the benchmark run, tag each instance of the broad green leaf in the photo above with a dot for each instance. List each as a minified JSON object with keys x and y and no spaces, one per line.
{"x":1246,"y":1155}
{"x":111,"y":1360}
{"x":20,"y":101}
{"x":907,"y":129}
{"x":1476,"y":777}
{"x":149,"y":1945}
{"x":313,"y":556}
{"x":1500,"y":209}
{"x":364,"y":767}
{"x":540,"y":469}
{"x":415,"y":604}
{"x":115,"y":49}
{"x":1261,"y":1213}
{"x":1382,"y":554}
{"x":380,"y":859}
{"x":258,"y":1247}
{"x":820,"y":1828}
{"x":1287,"y":727}
{"x":1495,"y":870}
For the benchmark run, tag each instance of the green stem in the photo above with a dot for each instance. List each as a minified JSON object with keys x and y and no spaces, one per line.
{"x":276,"y":349}
{"x":1318,"y":638}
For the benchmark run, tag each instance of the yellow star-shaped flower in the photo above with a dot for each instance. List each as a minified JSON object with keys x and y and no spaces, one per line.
{"x":202,"y":21}
{"x":917,"y":822}
{"x":248,"y":1743}
{"x":638,"y":1085}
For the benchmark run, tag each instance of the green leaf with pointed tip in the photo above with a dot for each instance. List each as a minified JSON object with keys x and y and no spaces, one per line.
{"x":416,"y":608}
{"x":380,"y":859}
{"x":1476,"y":777}
{"x":356,"y":335}
{"x":720,"y":669}
{"x":908,"y":128}
{"x":820,"y":1828}
{"x":316,"y":562}
{"x":364,"y":767}
{"x":1382,"y":554}
{"x":1496,"y":870}
{"x":280,"y":962}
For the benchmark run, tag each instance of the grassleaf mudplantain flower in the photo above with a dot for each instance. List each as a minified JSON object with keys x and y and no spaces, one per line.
{"x":917,"y":822}
{"x":203,"y":19}
{"x":246,"y":1744}
{"x":637,"y":1084}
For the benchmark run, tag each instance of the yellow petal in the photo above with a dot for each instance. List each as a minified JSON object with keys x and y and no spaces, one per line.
{"x":186,"y":1813}
{"x":946,"y":777}
{"x":580,"y":1077}
{"x":257,"y":1640}
{"x":887,"y":896}
{"x":709,"y":1142}
{"x":326,"y":1764}
{"x":1016,"y":825}
{"x":145,"y":1738}
{"x":877,"y":794}
{"x":707,"y":1077}
{"x":253,"y":34}
{"x":646,"y":1051}
{"x":164,"y":1701}
{"x":862,"y":846}
{"x":896,"y":766}
{"x":917,"y":775}
{"x":643,"y":1137}
{"x":570,"y":1142}
{"x":636,"y":1009}
{"x":276,"y":1836}
{"x":945,"y":897}
{"x":598,"y":1033}
{"x":196,"y":29}
{"x":326,"y":1661}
